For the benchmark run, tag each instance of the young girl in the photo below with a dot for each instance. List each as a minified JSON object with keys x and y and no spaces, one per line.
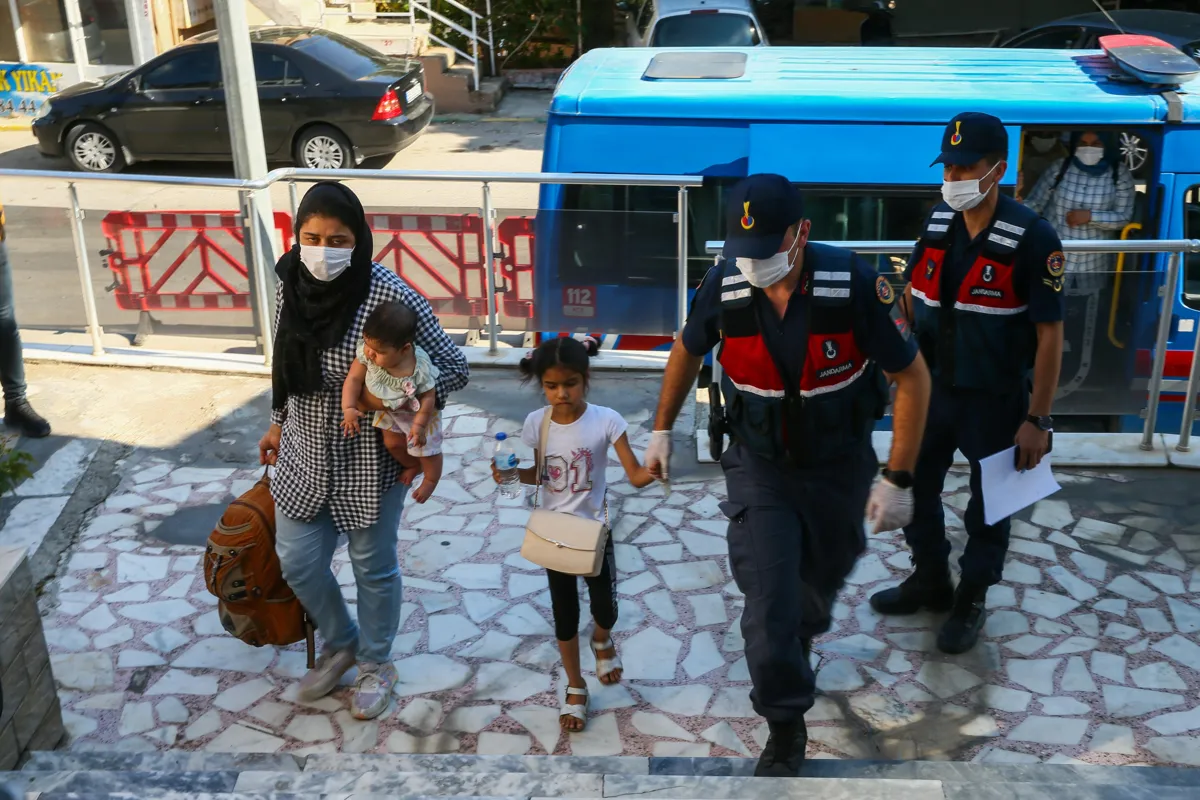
{"x":392,"y":373}
{"x":573,"y":481}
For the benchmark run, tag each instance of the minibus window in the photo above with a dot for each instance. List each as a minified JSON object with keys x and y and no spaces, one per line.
{"x":1191,"y":230}
{"x":627,"y":235}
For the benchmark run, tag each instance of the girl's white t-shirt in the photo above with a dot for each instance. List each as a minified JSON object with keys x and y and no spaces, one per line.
{"x":576,"y":457}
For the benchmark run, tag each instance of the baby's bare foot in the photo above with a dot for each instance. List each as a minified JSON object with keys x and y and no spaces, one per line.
{"x":408,"y":474}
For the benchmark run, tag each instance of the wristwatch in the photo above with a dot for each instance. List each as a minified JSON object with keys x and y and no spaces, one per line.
{"x":898,"y":478}
{"x":1042,"y":423}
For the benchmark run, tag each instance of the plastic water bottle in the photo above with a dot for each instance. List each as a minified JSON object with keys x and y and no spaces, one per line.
{"x":506,"y":465}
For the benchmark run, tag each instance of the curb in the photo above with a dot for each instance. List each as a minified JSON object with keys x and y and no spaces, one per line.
{"x":457,"y":118}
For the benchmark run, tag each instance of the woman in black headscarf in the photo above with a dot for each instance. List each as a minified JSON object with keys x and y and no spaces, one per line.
{"x":326,"y":484}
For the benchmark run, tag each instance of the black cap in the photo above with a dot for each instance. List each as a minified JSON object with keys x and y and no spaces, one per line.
{"x":759,"y":210}
{"x":969,"y":137}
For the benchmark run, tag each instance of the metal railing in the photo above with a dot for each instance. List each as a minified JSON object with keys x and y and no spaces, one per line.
{"x":426,"y":7}
{"x":261,"y":273}
{"x":1168,"y":293}
{"x":475,"y":37}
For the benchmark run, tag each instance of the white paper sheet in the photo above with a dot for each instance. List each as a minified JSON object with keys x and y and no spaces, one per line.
{"x":1007,"y":491}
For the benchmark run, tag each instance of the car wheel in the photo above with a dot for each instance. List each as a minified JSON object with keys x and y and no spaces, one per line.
{"x":323,"y":147}
{"x":1134,"y":151}
{"x":93,"y":148}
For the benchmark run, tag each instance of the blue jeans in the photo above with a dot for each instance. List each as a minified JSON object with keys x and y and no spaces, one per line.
{"x":12,"y":362}
{"x":306,"y":553}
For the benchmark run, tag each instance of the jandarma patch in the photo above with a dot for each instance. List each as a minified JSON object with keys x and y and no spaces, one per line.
{"x":883,"y":290}
{"x":1056,"y":263}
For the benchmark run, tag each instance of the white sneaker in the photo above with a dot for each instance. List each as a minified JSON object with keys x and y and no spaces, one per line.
{"x":373,"y":690}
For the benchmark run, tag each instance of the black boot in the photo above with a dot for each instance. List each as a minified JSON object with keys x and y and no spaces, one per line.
{"x":20,"y":416}
{"x":961,"y":630}
{"x":927,"y":588}
{"x":784,"y":754}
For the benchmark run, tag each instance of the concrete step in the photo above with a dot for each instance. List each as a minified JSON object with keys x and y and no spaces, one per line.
{"x":143,"y":784}
{"x":170,"y":761}
{"x":442,"y":784}
{"x":285,"y":763}
{"x":448,"y":57}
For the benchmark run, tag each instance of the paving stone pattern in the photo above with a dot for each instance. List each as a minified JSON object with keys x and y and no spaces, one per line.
{"x":1091,"y":651}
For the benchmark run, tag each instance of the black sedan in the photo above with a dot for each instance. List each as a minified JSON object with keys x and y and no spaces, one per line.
{"x":327,"y":102}
{"x":1083,"y":31}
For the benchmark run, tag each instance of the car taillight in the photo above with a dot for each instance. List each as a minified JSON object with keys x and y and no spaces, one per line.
{"x":388,"y":107}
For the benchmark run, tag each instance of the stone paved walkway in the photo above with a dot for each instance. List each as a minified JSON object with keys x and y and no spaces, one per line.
{"x":1091,"y":653}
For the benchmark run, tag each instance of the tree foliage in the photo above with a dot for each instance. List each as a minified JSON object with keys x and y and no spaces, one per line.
{"x":14,"y":466}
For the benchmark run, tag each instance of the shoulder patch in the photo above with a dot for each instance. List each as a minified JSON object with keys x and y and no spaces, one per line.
{"x":883,"y":290}
{"x":1056,"y":263}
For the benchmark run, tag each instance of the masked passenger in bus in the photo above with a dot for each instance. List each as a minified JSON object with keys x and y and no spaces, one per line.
{"x":1040,"y":151}
{"x":1088,"y":195}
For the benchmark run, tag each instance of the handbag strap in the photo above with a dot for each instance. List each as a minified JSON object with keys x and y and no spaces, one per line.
{"x":539,"y":463}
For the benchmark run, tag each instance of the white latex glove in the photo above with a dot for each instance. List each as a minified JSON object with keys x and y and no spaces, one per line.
{"x":658,"y":455}
{"x":889,"y":507}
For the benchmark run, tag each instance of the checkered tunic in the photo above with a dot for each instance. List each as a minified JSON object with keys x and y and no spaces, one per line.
{"x":317,"y":464}
{"x":1111,"y":205}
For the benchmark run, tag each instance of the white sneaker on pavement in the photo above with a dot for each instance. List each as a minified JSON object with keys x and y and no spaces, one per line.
{"x":373,"y":690}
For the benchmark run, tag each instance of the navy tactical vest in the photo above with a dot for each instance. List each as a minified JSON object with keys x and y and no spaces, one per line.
{"x":841,"y":392}
{"x":981,"y":338}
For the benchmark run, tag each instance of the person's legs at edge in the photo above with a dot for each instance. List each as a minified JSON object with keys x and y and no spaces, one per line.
{"x":602,"y":593}
{"x":18,"y":414}
{"x":764,"y":554}
{"x":305,"y":552}
{"x":564,"y":602}
{"x":988,"y":425}
{"x":380,"y":593}
{"x":929,"y":586}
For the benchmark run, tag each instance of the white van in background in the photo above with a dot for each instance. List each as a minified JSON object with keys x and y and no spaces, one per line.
{"x":692,"y":23}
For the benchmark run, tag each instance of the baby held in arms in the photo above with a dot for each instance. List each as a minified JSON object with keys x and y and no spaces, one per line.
{"x":391,"y":384}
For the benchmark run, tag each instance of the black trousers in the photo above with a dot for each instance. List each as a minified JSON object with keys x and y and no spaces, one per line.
{"x":979,"y":424}
{"x":602,"y":590}
{"x":794,"y":536}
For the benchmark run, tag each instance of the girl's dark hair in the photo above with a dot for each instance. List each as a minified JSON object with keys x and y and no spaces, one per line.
{"x":563,"y":351}
{"x":392,"y":323}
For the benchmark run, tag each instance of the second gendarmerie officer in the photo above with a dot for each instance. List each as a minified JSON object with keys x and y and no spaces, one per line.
{"x":985,"y":297}
{"x":806,"y":333}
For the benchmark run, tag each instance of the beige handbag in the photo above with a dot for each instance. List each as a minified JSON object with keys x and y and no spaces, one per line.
{"x":560,"y":541}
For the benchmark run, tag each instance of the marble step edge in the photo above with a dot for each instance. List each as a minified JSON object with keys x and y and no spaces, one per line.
{"x":946,"y":771}
{"x":177,"y":795}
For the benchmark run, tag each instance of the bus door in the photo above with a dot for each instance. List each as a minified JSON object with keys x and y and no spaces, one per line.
{"x":1106,"y":295}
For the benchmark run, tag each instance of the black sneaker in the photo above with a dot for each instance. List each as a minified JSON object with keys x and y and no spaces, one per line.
{"x":784,"y":754}
{"x":927,"y":588}
{"x":961,"y":630}
{"x":21,"y":417}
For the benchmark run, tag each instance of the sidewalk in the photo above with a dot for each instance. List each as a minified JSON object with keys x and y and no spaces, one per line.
{"x":1092,"y":651}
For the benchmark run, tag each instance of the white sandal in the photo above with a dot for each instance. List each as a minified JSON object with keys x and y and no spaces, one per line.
{"x":576,"y":710}
{"x":605,"y":666}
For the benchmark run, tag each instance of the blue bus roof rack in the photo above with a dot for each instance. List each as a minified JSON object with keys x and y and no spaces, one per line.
{"x":886,"y":84}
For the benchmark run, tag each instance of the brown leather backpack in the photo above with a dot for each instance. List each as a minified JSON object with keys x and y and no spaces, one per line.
{"x":242,"y":570}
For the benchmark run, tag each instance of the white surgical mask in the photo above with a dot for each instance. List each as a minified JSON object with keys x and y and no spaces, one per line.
{"x":762,"y":272}
{"x":1090,"y":156}
{"x":325,"y":263}
{"x":964,"y":195}
{"x":1043,"y":144}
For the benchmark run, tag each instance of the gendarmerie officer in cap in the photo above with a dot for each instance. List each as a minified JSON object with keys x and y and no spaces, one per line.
{"x":985,"y":297}
{"x":806,"y":333}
